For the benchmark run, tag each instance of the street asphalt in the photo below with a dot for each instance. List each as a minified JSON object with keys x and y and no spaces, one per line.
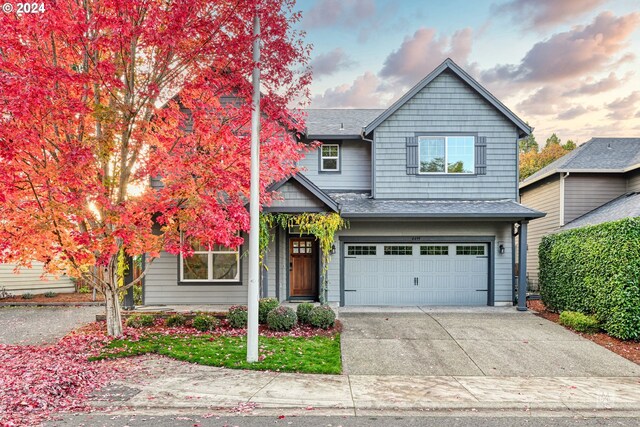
{"x":101,"y":420}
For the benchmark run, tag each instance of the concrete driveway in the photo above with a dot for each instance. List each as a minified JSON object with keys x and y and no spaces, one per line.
{"x":467,"y":343}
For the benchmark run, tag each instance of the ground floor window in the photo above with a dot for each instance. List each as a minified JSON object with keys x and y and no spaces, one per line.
{"x":215,"y":263}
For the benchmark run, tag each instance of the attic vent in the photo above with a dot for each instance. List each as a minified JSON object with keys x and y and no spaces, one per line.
{"x":341,"y":126}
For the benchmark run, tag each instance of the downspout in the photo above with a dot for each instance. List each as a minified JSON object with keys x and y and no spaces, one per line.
{"x":562,"y":178}
{"x":373,"y":163}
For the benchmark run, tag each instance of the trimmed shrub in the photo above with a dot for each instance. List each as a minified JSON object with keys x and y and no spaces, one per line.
{"x":304,"y":312}
{"x":322,"y":316}
{"x":579,"y":322}
{"x":84,"y":290}
{"x":27,"y":295}
{"x":50,"y":294}
{"x":237,"y":316}
{"x":175,"y":320}
{"x":140,"y":320}
{"x":595,"y":270}
{"x":205,"y":322}
{"x":282,"y":319}
{"x":265,"y":305}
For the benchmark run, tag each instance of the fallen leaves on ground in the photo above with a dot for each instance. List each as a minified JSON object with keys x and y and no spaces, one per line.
{"x":37,"y":381}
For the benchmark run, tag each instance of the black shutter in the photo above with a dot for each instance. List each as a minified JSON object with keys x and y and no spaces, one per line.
{"x":481,"y":155}
{"x":412,"y":155}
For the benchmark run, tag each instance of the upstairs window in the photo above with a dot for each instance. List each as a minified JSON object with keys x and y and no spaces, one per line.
{"x":446,"y":154}
{"x":210,"y":264}
{"x":330,"y":158}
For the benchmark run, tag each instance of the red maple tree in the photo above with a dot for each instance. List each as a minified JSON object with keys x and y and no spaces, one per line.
{"x":94,"y":99}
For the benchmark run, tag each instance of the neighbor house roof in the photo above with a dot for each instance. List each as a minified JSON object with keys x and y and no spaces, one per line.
{"x":598,"y":155}
{"x":361,"y":205}
{"x":338,"y":123}
{"x":448,"y":64}
{"x":625,"y":206}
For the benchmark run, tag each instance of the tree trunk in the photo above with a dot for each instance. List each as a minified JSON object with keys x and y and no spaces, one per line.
{"x":114,"y":318}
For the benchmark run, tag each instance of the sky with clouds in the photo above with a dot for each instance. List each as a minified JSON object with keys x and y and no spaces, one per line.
{"x":565,"y":66}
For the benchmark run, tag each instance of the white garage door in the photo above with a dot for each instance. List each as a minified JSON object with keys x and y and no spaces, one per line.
{"x":416,"y":274}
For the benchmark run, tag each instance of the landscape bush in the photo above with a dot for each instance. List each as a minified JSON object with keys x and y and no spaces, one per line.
{"x":322,"y":316}
{"x":205,"y":322}
{"x":27,"y":295}
{"x":50,"y":294}
{"x":175,"y":320}
{"x":579,"y":322}
{"x":595,"y":270}
{"x":304,"y":312}
{"x":282,"y":319}
{"x":265,"y":305}
{"x":237,"y":316}
{"x":140,"y":320}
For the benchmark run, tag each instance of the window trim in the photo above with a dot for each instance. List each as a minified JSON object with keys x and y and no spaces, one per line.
{"x":446,"y":136}
{"x":338,"y":158}
{"x":211,"y":282}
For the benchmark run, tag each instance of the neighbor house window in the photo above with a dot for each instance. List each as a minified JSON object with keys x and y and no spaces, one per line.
{"x":330,"y":157}
{"x":446,"y":154}
{"x":213,"y":264}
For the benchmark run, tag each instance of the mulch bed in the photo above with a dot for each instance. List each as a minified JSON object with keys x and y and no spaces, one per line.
{"x":59,"y":298}
{"x":628,"y":349}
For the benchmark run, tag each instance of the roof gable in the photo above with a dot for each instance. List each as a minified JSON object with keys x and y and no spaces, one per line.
{"x":308,"y":187}
{"x":448,"y":64}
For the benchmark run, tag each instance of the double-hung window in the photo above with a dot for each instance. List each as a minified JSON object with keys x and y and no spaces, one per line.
{"x":330,"y":157}
{"x":210,"y":264}
{"x":446,"y":154}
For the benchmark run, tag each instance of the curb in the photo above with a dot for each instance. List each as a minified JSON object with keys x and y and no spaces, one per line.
{"x":51,"y":304}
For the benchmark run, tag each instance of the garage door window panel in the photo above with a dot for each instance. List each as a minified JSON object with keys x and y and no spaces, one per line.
{"x":434,"y":250}
{"x":398,"y":250}
{"x":361,"y":250}
{"x":477,"y":250}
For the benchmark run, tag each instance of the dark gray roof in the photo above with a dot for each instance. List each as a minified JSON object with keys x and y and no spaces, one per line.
{"x":338,"y":123}
{"x":599,"y":155}
{"x":625,"y":206}
{"x":358,"y":205}
{"x":448,"y":64}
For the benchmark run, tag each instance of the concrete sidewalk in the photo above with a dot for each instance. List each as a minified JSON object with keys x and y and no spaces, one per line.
{"x":168,"y":386}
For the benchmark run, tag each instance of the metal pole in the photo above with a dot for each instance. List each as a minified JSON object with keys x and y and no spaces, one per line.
{"x":254,"y":205}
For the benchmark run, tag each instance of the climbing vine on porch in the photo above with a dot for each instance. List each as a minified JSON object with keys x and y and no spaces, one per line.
{"x":323,"y":226}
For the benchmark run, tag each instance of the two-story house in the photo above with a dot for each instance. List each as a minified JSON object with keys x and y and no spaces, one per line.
{"x":429,"y":187}
{"x":597,"y":182}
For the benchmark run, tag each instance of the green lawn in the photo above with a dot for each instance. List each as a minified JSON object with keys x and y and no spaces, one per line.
{"x":315,"y":355}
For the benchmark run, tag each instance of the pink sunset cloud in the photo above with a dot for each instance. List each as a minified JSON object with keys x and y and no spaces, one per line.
{"x":539,"y":14}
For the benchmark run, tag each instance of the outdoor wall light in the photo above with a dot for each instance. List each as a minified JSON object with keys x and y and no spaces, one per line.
{"x":501,"y":249}
{"x":333,"y":249}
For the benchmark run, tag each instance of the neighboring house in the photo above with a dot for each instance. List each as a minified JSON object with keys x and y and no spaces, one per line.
{"x":592,"y":184}
{"x":28,"y":281}
{"x":429,"y":187}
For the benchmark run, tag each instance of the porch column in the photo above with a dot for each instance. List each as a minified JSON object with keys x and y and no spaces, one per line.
{"x":129,"y":303}
{"x":522,"y":276}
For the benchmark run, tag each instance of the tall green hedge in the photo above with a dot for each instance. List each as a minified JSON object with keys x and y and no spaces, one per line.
{"x":595,"y":270}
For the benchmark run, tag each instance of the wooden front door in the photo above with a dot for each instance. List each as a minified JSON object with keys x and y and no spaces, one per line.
{"x":303,"y":267}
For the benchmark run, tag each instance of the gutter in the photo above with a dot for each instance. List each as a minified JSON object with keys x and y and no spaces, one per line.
{"x":373,"y":163}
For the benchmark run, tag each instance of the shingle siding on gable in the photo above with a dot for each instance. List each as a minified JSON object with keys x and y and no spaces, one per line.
{"x":355,"y":171}
{"x":295,"y":195}
{"x":447,"y":104}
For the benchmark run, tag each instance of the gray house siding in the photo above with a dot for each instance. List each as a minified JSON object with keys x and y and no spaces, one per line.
{"x":294,"y":195}
{"x":500,"y":231}
{"x":633,"y":182}
{"x":161,"y":286}
{"x":545,"y":198}
{"x":355,"y":173}
{"x":446,"y":105}
{"x":28,"y":280}
{"x":585,"y":192}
